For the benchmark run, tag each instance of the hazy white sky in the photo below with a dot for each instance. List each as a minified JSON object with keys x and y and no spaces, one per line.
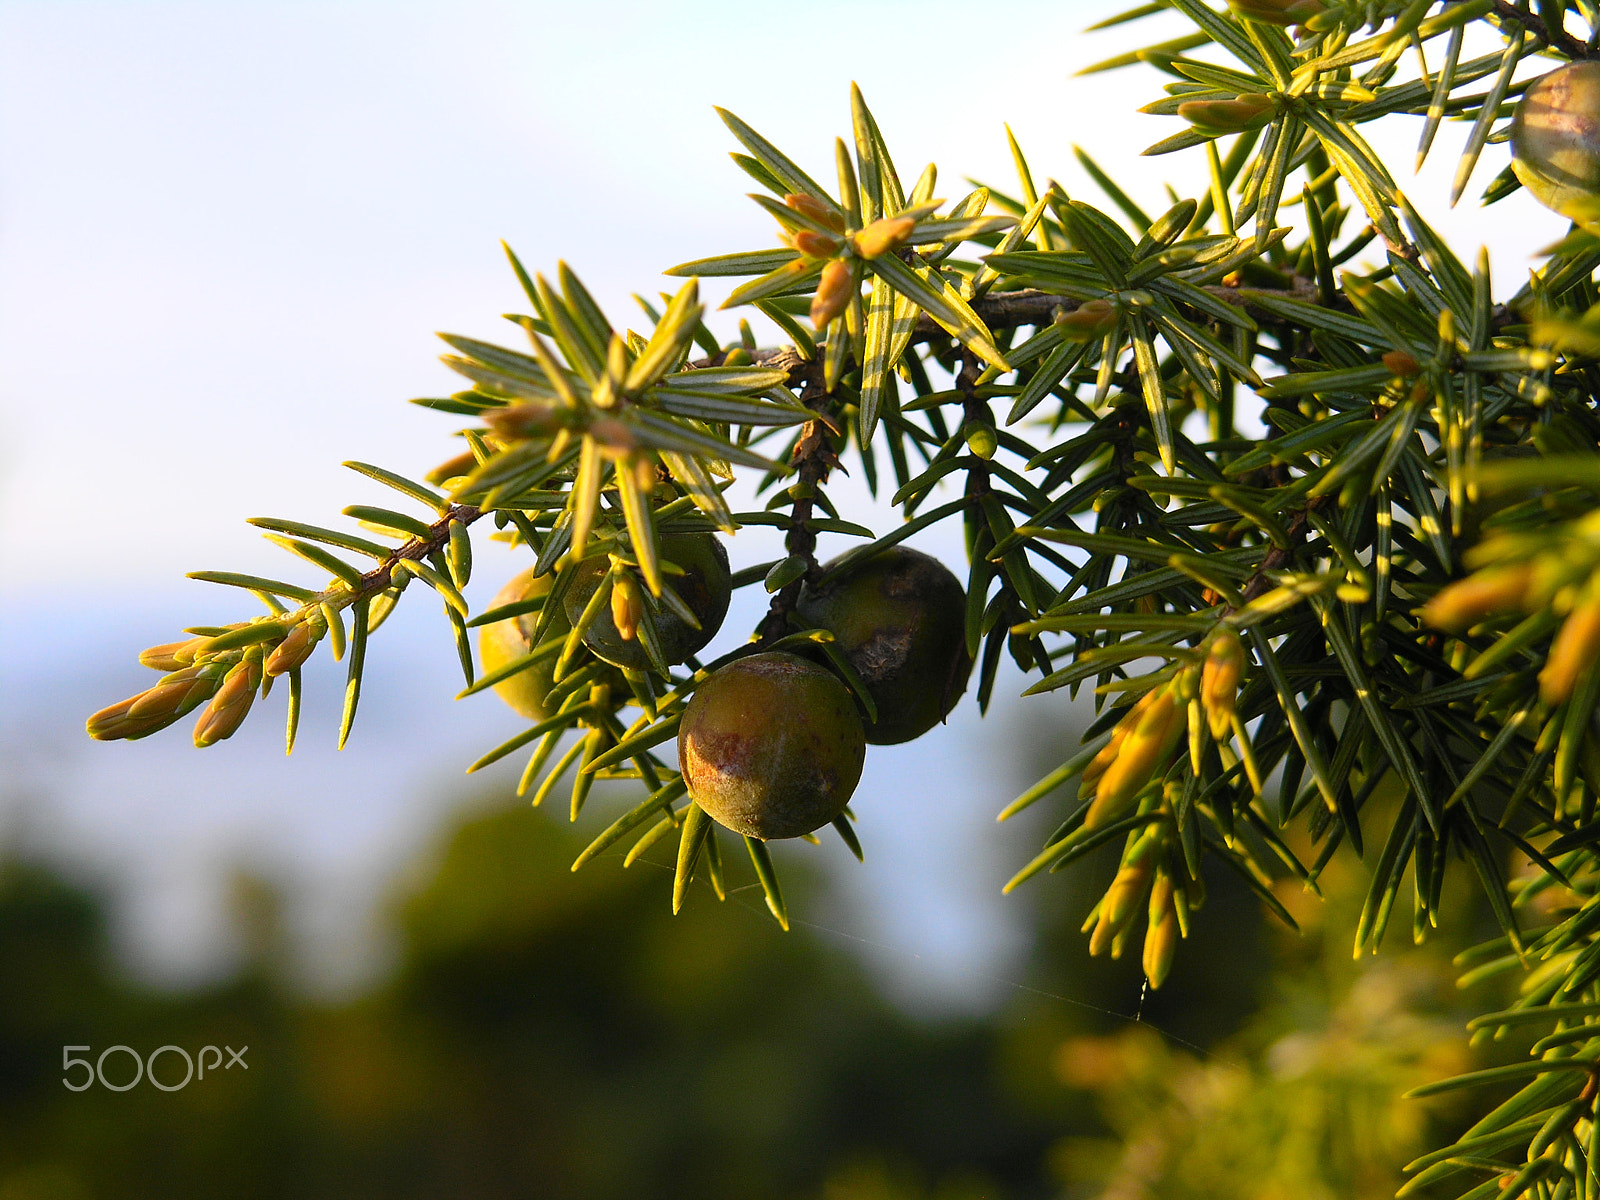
{"x":228,"y":231}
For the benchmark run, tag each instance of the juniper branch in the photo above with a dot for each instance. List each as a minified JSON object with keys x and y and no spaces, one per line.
{"x":415,"y":549}
{"x":1557,"y":38}
{"x":812,"y":460}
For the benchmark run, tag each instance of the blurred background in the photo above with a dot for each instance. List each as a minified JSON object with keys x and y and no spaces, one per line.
{"x":228,"y":233}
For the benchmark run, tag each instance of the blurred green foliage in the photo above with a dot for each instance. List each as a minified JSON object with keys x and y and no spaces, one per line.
{"x":1304,"y":1098}
{"x":556,"y":1035}
{"x":543,"y":1034}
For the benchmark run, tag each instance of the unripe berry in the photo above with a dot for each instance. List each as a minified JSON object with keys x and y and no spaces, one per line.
{"x":1555,"y":140}
{"x":508,"y":640}
{"x":704,"y":587}
{"x":771,"y":746}
{"x":900,"y":622}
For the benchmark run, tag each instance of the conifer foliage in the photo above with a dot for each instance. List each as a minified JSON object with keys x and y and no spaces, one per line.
{"x":1376,"y":626}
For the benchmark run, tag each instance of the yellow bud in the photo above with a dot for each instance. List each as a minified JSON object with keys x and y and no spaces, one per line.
{"x":228,"y":708}
{"x":141,"y":715}
{"x":644,"y":471}
{"x":1108,"y":753}
{"x":1219,"y":681}
{"x":174,"y":695}
{"x":1251,"y":110}
{"x":1573,"y":650}
{"x":815,"y":245}
{"x":1277,"y":12}
{"x":1122,"y":902}
{"x":1120,"y":942}
{"x":1098,"y":764}
{"x":815,"y":209}
{"x":519,"y":422}
{"x":1126,"y":894}
{"x":1091,"y":319}
{"x":883,"y":235}
{"x":1196,"y":725}
{"x":1402,"y":364}
{"x":1161,"y":939}
{"x":114,"y":723}
{"x":1464,"y":603}
{"x":173,"y":655}
{"x":1100,"y":940}
{"x":296,"y":647}
{"x":461,"y":464}
{"x":615,"y":438}
{"x":834,"y":290}
{"x":1161,"y":897}
{"x":1141,"y":758}
{"x":627,"y":606}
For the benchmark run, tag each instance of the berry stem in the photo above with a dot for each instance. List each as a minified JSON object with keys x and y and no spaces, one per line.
{"x":814,"y":457}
